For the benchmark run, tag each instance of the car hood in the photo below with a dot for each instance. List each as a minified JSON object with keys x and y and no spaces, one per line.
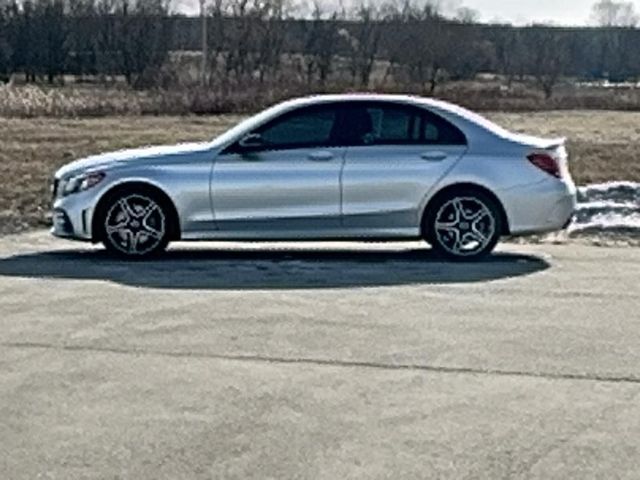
{"x":157,"y":154}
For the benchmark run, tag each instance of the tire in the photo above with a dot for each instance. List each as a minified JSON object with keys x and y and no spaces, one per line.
{"x":463,"y":225}
{"x":135,"y":224}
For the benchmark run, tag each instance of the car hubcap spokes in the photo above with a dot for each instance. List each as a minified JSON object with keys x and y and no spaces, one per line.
{"x":464,"y":225}
{"x":135,"y":225}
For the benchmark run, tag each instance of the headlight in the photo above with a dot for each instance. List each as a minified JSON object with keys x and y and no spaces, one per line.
{"x":82,"y":182}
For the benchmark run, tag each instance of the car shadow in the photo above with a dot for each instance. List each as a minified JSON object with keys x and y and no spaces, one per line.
{"x":224,"y":269}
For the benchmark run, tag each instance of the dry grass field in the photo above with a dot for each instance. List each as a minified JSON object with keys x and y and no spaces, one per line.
{"x":32,"y":149}
{"x":603,"y":145}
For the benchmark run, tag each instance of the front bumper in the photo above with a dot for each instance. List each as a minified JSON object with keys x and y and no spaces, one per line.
{"x":62,"y":226}
{"x":73,"y":216}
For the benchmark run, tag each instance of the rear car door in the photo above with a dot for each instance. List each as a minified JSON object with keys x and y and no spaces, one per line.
{"x":289,"y":183}
{"x":396,"y":154}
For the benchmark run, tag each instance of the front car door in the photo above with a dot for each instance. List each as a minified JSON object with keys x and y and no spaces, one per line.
{"x":287,"y":186}
{"x":398,"y":154}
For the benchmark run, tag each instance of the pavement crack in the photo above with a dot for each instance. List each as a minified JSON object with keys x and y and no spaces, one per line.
{"x":589,"y":377}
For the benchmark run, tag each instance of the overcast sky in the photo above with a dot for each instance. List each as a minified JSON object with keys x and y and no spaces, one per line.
{"x":562,"y":12}
{"x":566,"y":12}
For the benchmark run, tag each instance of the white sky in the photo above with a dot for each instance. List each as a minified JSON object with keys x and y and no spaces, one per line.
{"x":561,"y":12}
{"x":565,"y":12}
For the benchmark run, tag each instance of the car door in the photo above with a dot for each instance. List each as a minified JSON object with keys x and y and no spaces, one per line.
{"x":399,"y":153}
{"x":288,"y":183}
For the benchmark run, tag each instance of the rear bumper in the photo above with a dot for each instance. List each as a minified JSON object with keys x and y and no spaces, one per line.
{"x":542,"y":207}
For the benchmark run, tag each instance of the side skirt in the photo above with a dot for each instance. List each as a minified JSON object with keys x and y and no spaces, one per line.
{"x":305,"y":235}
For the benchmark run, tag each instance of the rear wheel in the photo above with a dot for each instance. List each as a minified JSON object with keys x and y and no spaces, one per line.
{"x":463,"y":225}
{"x":135,"y":224}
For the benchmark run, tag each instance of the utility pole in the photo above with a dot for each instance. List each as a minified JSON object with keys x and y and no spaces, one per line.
{"x":205,"y":53}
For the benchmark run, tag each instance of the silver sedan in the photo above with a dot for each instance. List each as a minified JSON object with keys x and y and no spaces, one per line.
{"x":325,"y":167}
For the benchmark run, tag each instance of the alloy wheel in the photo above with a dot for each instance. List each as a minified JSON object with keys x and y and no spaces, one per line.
{"x":465,"y":226}
{"x":135,"y":225}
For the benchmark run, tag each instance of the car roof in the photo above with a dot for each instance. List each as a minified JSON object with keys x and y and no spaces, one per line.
{"x":374,"y":97}
{"x":369,"y":97}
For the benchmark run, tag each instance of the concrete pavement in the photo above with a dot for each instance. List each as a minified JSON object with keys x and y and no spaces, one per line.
{"x":318,"y":361}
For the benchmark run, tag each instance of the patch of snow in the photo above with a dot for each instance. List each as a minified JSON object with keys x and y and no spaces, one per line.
{"x":611,"y":208}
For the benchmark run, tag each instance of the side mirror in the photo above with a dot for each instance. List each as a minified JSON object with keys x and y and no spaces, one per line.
{"x":252,"y":140}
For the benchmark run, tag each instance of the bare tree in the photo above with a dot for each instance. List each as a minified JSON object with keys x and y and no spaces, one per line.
{"x":51,"y":34}
{"x":25,"y":40}
{"x":271,"y":36}
{"x":510,"y":52}
{"x":364,"y":41}
{"x":610,"y":13}
{"x":420,"y":40}
{"x":547,"y":55}
{"x":216,"y":37}
{"x":204,"y":42}
{"x":467,"y":52}
{"x":253,"y":41}
{"x":106,"y":38}
{"x":142,"y":39}
{"x":239,"y":39}
{"x":6,"y":22}
{"x":320,"y":45}
{"x":82,"y":44}
{"x":467,"y":15}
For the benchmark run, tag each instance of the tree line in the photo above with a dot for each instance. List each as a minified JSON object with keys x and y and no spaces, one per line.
{"x":409,"y":44}
{"x":47,"y":39}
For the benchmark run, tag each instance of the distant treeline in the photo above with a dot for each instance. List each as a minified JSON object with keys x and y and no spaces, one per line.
{"x":45,"y":40}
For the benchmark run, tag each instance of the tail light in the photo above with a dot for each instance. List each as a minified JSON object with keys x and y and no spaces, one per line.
{"x":546,"y":163}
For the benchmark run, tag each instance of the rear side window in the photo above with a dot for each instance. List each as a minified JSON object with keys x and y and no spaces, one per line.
{"x":387,"y":124}
{"x":393,"y":125}
{"x":436,"y":130}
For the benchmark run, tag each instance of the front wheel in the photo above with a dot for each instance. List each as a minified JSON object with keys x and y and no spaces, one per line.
{"x":463,"y":225}
{"x":135,"y":225}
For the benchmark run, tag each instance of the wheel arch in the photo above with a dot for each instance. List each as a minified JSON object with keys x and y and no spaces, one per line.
{"x":139,"y":186}
{"x":467,"y":186}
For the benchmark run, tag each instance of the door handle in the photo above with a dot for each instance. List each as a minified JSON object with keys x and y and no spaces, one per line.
{"x":320,"y":156}
{"x":434,"y":156}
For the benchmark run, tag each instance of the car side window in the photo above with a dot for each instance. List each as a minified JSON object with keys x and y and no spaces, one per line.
{"x":393,"y":125}
{"x":436,"y":130}
{"x":380,"y":124}
{"x":308,"y":127}
{"x":373,"y":124}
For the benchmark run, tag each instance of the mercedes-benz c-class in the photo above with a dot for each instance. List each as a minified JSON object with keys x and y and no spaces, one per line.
{"x":340,"y":167}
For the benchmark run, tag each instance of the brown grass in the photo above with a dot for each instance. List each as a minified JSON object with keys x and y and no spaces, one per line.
{"x":97,"y":100}
{"x":603,"y":146}
{"x":75,"y":101}
{"x":32,"y":149}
